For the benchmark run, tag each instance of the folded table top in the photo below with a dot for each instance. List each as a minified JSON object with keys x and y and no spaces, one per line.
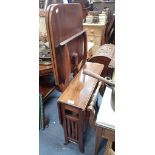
{"x":67,"y":40}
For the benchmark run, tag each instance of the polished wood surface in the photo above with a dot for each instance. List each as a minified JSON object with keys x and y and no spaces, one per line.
{"x":46,"y":90}
{"x":67,"y":41}
{"x":45,"y":69}
{"x":73,"y":103}
{"x":80,"y":89}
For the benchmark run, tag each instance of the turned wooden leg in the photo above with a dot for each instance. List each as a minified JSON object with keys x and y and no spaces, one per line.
{"x":98,"y":138}
{"x":108,"y":147}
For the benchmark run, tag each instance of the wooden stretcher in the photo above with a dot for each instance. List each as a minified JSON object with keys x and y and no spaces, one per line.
{"x":68,"y":44}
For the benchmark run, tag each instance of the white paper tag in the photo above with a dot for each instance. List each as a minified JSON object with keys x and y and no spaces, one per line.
{"x":70,"y":102}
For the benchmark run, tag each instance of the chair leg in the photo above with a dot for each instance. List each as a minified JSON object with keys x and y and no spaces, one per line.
{"x":41,"y":107}
{"x":98,"y":138}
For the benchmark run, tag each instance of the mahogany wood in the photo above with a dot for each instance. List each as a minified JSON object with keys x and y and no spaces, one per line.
{"x":68,"y":44}
{"x":46,"y":90}
{"x":81,"y":87}
{"x":73,"y":103}
{"x":66,"y":37}
{"x":45,"y":69}
{"x":91,"y":108}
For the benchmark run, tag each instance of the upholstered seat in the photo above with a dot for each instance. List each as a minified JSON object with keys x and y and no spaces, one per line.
{"x":106,"y":113}
{"x":105,"y":123}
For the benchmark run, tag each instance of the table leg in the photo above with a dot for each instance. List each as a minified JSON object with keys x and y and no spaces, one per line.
{"x":81,"y":131}
{"x":98,"y":138}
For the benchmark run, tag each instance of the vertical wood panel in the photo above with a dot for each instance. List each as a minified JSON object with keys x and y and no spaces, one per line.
{"x":68,"y":127}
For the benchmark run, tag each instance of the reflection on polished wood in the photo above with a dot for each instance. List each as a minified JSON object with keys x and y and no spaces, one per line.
{"x":81,"y":87}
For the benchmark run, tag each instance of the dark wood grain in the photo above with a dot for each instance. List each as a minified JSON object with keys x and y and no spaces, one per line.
{"x":46,"y":90}
{"x":81,"y":87}
{"x":45,"y":70}
{"x":68,"y":46}
{"x":66,"y":38}
{"x":73,"y":103}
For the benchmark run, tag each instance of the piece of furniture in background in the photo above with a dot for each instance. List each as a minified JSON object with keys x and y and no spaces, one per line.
{"x":102,"y":5}
{"x":43,"y":4}
{"x":46,"y":80}
{"x":45,"y":65}
{"x":45,"y":69}
{"x":95,"y":34}
{"x":85,"y":6}
{"x":42,"y":26}
{"x":105,"y":55}
{"x":45,"y":89}
{"x":110,"y":31}
{"x":90,"y":46}
{"x":105,"y":123}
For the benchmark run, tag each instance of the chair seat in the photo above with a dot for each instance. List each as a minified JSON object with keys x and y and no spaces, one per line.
{"x":106,"y":113}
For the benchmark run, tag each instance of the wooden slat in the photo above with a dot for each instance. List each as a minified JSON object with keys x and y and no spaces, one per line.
{"x":76,"y":130}
{"x":72,"y":125}
{"x":68,"y":128}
